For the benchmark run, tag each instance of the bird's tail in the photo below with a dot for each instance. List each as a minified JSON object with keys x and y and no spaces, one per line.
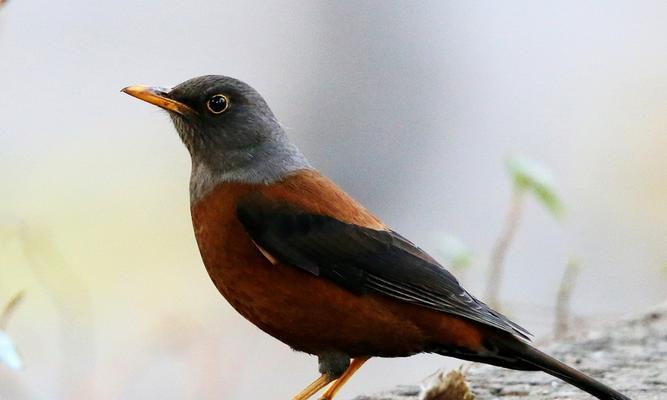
{"x":525,"y":353}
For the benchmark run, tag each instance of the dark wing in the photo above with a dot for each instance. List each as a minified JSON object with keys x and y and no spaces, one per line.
{"x":362,"y":260}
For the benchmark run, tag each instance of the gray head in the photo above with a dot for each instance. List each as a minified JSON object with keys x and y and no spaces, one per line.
{"x":229,"y":130}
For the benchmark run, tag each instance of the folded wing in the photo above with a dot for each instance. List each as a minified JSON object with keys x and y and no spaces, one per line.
{"x":362,"y":260}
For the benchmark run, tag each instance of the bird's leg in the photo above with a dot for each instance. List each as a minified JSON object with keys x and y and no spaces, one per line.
{"x":314,"y":387}
{"x":338,"y":383}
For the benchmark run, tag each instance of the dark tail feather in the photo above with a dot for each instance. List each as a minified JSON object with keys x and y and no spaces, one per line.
{"x":541,"y":361}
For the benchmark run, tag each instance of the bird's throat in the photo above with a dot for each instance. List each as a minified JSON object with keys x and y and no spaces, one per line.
{"x":262,"y":164}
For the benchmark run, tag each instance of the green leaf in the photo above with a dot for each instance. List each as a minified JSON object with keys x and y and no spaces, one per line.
{"x":574,"y":263}
{"x":454,"y":253}
{"x":529,"y":175}
{"x":8,"y":353}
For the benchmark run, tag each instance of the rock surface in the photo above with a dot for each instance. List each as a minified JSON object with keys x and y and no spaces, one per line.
{"x":629,"y":355}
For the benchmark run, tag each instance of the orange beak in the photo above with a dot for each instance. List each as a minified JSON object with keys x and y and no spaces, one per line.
{"x":158,"y":97}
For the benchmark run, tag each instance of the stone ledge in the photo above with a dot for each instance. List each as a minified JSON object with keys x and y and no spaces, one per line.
{"x":629,"y":355}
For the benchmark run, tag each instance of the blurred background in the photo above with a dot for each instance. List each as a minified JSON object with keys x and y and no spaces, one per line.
{"x":413,"y":108}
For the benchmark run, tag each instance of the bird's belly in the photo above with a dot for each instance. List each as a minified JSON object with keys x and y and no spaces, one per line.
{"x":311,"y":314}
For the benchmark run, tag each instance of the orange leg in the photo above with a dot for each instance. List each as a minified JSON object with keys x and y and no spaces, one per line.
{"x":338,"y":383}
{"x":313,"y":388}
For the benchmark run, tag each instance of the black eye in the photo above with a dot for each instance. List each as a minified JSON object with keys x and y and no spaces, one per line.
{"x":218,"y":104}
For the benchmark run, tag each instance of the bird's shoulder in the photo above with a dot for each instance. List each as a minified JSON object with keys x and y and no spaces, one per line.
{"x":306,"y":190}
{"x":315,"y":193}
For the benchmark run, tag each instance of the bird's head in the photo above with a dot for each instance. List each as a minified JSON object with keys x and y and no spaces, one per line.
{"x":214,"y":111}
{"x":229,"y":130}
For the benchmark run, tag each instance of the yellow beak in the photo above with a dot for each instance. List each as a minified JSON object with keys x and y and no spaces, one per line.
{"x":158,"y":97}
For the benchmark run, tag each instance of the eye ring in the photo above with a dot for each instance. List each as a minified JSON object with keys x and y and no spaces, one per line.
{"x":218,"y":103}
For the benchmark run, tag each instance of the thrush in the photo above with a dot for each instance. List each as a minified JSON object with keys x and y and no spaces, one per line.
{"x":306,"y":263}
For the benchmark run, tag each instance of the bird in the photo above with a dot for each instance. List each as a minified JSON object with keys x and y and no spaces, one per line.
{"x":306,"y":263}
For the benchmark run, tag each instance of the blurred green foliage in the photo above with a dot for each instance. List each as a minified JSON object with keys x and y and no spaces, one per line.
{"x":454,"y":252}
{"x":530,"y":176}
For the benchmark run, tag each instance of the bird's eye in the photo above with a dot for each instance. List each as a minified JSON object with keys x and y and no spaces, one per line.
{"x":218,"y":104}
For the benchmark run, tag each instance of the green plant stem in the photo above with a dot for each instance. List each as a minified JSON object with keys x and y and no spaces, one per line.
{"x":497,"y":260}
{"x":563,"y":299}
{"x":9,"y":310}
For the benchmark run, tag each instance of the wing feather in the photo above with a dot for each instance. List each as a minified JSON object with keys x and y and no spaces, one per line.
{"x":362,"y":260}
